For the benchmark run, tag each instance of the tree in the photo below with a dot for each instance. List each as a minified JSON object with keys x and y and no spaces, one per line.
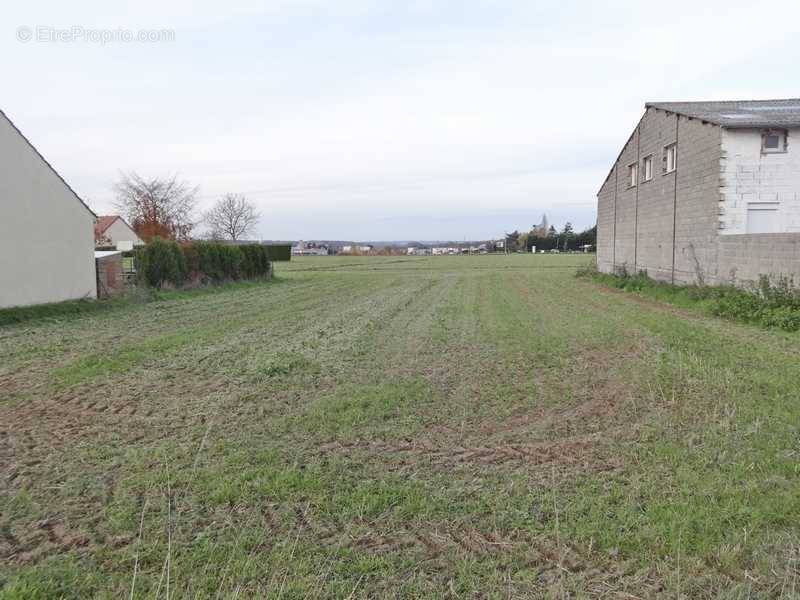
{"x":231,"y":218}
{"x":567,"y":235}
{"x":512,"y":240}
{"x":156,"y":207}
{"x":587,"y":237}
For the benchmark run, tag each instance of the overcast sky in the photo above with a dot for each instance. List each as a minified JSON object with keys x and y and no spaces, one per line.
{"x":378,"y":119}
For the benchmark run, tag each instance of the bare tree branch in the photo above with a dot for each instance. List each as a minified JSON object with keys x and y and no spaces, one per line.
{"x":231,"y":218}
{"x":156,"y":207}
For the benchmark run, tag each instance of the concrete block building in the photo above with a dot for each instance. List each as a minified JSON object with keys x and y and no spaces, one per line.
{"x":46,"y":230}
{"x":705,"y":192}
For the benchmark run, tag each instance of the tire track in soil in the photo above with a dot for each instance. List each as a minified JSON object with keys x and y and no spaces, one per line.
{"x":82,"y":411}
{"x":584,"y":453}
{"x":442,"y":545}
{"x":87,"y":402}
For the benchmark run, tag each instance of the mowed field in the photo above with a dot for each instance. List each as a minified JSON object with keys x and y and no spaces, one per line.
{"x":460,"y":427}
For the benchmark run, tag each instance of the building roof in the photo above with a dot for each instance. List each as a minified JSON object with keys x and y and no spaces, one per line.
{"x":44,"y":160}
{"x":738,"y":113}
{"x":103,"y":223}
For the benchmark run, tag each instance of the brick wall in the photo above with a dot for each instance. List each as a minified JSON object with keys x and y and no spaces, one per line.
{"x":697,"y":206}
{"x":684,"y":226}
{"x":656,"y":197}
{"x":626,"y":211}
{"x":641,"y":221}
{"x":110,"y":278}
{"x":748,"y":176}
{"x":606,"y":216}
{"x":744,"y":258}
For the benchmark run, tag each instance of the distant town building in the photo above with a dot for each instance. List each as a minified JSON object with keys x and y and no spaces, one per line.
{"x":309,"y":249}
{"x":542,"y":228}
{"x":351,"y":249}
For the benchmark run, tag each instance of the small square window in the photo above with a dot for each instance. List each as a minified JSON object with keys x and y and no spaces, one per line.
{"x":773,"y":140}
{"x":670,"y":158}
{"x":647,"y":167}
{"x":633,"y":174}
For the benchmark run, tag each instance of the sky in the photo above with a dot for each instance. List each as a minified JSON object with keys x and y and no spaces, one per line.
{"x":375,"y":119}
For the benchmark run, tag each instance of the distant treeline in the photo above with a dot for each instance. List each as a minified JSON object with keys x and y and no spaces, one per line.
{"x":551,"y":239}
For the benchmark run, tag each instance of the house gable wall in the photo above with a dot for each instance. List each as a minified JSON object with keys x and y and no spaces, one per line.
{"x":46,"y":233}
{"x":119,"y":231}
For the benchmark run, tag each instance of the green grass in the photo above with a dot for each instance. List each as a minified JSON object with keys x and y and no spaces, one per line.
{"x":487,"y":426}
{"x":769,"y":303}
{"x":57,"y":311}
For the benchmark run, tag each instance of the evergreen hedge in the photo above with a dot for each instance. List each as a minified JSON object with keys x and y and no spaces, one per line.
{"x":279,"y":252}
{"x":163,"y":261}
{"x":160,"y":262}
{"x":256,"y":261}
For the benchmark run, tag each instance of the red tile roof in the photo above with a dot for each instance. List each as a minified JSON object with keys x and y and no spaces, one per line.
{"x":103,"y":223}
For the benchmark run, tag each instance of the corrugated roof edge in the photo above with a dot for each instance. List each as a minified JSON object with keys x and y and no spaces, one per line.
{"x":675,"y":107}
{"x":665,"y":106}
{"x":647,"y":106}
{"x":44,"y":160}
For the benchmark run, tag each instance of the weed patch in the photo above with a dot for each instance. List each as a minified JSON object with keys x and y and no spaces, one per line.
{"x":769,"y":303}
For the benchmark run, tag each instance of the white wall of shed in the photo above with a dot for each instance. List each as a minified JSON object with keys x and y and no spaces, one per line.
{"x":46,"y":234}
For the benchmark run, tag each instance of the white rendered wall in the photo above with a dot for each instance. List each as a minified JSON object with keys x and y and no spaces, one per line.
{"x":750,"y":178}
{"x":120,"y":232}
{"x":46,"y":233}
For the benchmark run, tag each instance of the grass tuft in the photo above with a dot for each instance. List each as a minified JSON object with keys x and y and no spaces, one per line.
{"x":771,"y":303}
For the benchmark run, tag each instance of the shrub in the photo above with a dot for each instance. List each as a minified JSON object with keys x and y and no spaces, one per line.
{"x":279,"y":252}
{"x":769,"y":303}
{"x":192,"y":260}
{"x":161,"y":262}
{"x":783,"y":317}
{"x":217,"y":263}
{"x":778,"y":293}
{"x":255,"y":261}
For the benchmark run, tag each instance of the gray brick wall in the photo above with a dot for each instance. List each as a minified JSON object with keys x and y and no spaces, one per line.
{"x":635,"y":224}
{"x":746,"y":257}
{"x":640,"y":237}
{"x":605,"y":224}
{"x":656,"y":197}
{"x":697,"y":207}
{"x":624,"y":248}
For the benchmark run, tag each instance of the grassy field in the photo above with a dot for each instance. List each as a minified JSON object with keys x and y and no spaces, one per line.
{"x":400,"y":427}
